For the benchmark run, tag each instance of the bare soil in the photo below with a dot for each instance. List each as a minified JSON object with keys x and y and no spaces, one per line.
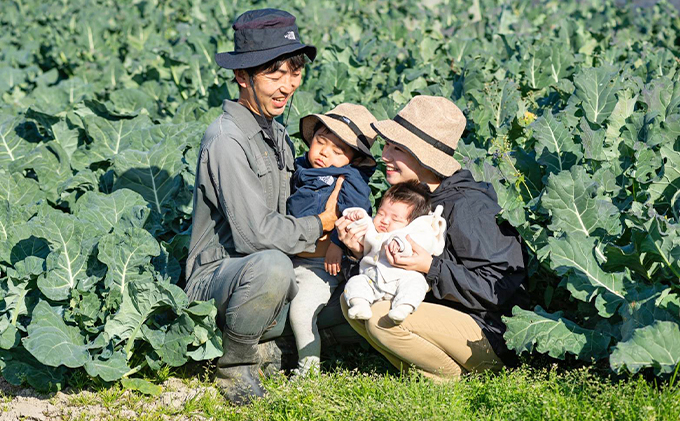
{"x":18,"y":403}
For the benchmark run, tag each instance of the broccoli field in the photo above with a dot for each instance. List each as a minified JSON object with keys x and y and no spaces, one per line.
{"x":573,"y":112}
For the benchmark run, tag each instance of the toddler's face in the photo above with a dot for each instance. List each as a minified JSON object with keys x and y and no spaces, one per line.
{"x":392,"y":216}
{"x":327,"y":150}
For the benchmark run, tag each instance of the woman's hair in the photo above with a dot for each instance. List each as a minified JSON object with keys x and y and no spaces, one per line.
{"x":414,"y":194}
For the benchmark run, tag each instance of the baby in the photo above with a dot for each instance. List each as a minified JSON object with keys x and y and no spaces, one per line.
{"x":405,"y":210}
{"x":339,"y":145}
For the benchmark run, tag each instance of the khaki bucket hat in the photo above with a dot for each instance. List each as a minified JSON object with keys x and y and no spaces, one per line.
{"x":351,"y":123}
{"x":429,"y":127}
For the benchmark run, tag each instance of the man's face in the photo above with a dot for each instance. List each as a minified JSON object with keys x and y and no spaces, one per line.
{"x":327,"y":150}
{"x":273,"y":89}
{"x":392,"y":216}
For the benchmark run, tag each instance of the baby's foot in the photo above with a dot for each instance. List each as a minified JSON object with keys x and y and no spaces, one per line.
{"x":360,"y":309}
{"x":400,"y":312}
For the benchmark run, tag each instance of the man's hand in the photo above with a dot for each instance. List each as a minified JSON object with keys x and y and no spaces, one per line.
{"x":419,"y":261}
{"x":331,"y":213}
{"x":333,"y":258}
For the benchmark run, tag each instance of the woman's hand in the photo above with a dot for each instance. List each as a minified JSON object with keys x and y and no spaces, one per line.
{"x":419,"y":261}
{"x":353,"y":238}
{"x":331,"y":213}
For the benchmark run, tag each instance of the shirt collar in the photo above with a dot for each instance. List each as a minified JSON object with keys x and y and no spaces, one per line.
{"x":245,"y":120}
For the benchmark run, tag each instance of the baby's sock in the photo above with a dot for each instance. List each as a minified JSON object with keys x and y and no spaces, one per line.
{"x":360,"y":309}
{"x":400,"y":312}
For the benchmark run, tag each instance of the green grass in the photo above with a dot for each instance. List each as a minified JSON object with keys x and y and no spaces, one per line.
{"x":349,"y":394}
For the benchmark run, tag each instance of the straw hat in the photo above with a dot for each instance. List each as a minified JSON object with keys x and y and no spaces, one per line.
{"x":429,"y":127}
{"x":350,"y":122}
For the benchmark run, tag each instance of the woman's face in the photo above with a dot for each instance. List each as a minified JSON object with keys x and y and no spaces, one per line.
{"x":400,"y":165}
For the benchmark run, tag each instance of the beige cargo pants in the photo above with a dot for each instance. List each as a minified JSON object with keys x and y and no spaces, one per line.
{"x":440,"y":342}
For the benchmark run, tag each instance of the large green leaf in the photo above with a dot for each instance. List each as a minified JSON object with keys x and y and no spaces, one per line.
{"x":646,"y":305}
{"x":206,"y":336}
{"x":553,"y":334}
{"x":555,"y":148}
{"x":625,"y":105}
{"x":122,"y":208}
{"x":12,"y":145}
{"x":663,"y":190}
{"x":173,"y":350}
{"x":662,"y":97}
{"x":110,"y":138}
{"x":21,"y":367}
{"x":495,"y":108}
{"x":109,"y":369}
{"x":663,"y":242}
{"x":67,"y":261}
{"x":656,"y":346}
{"x":131,"y":102}
{"x":574,"y":256}
{"x":52,"y":342}
{"x":153,"y":174}
{"x":596,"y":88}
{"x":126,"y":253}
{"x":50,"y":163}
{"x":141,"y":299}
{"x":18,"y":190}
{"x":66,"y":137}
{"x":576,"y":206}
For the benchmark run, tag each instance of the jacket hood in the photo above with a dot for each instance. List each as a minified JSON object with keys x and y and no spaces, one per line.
{"x":462,"y":180}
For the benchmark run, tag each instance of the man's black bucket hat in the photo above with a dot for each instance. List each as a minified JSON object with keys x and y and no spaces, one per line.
{"x":261,"y":36}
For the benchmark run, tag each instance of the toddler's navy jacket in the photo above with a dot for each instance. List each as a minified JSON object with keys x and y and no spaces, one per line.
{"x":311,"y":188}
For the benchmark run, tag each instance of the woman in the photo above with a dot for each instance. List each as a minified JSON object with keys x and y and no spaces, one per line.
{"x":480,"y":275}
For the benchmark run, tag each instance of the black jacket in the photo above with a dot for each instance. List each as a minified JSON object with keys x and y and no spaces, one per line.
{"x":482,"y":269}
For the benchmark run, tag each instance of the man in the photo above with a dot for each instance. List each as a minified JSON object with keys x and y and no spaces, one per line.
{"x":241,"y":235}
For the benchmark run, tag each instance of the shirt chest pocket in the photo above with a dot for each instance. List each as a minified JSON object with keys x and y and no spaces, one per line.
{"x":264,"y":172}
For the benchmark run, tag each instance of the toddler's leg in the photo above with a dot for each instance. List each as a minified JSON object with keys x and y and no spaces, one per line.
{"x":316,"y":287}
{"x":359,"y":295}
{"x":411,"y":290}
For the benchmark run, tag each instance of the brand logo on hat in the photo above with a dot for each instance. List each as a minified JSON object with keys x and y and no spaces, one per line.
{"x":346,"y":120}
{"x":290,"y":35}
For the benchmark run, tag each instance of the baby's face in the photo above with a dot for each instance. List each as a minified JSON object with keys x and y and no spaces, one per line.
{"x":327,"y":150}
{"x":392,"y":216}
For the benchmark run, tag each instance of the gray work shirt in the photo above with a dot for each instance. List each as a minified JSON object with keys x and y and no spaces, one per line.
{"x":240,"y":198}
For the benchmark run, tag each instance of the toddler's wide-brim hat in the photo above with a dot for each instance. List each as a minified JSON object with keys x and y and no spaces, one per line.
{"x":428,"y":127}
{"x":351,"y":123}
{"x":261,"y":36}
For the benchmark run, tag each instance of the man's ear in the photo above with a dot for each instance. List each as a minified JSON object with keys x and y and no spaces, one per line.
{"x":241,"y":77}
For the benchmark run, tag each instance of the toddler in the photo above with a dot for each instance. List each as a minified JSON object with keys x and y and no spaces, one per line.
{"x":339,"y":145}
{"x":405,"y":210}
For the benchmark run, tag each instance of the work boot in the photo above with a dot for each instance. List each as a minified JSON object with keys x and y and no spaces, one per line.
{"x":237,"y":374}
{"x":277,"y":355}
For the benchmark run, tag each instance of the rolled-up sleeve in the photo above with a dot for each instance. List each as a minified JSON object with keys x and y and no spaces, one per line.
{"x":254,"y":225}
